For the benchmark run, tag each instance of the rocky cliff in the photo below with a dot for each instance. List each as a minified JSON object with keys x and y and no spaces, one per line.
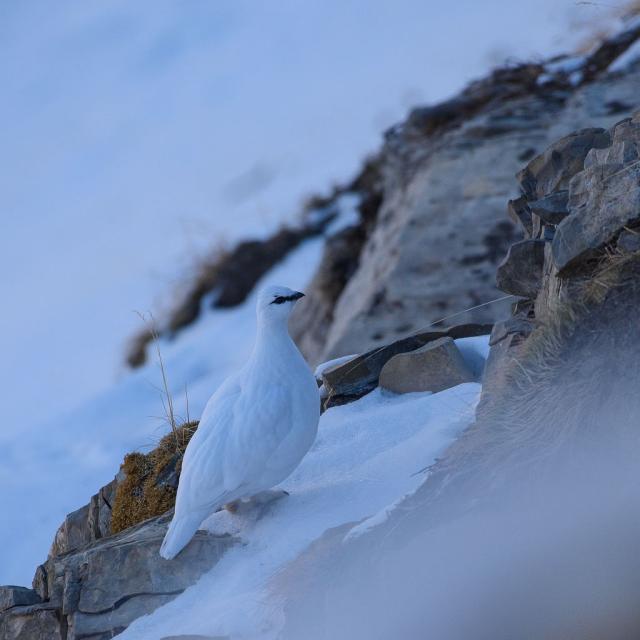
{"x":445,"y":175}
{"x":552,"y":455}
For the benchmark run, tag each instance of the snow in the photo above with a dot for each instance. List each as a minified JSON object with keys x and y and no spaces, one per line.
{"x":475,"y":352}
{"x":324,"y":366}
{"x":366,"y":457}
{"x":347,"y":214}
{"x":632,"y":54}
{"x":566,"y":64}
{"x":571,"y":66}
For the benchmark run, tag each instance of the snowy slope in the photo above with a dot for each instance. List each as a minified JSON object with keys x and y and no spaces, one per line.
{"x":366,"y":457}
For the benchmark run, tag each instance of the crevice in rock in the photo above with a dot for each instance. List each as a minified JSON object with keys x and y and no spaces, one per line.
{"x":118,"y":603}
{"x":64,"y":626}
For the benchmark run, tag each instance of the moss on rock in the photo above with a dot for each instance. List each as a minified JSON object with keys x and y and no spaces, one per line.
{"x":150,"y":480}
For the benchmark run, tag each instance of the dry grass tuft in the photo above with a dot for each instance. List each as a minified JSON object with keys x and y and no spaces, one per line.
{"x":610,"y":272}
{"x":151,"y":480}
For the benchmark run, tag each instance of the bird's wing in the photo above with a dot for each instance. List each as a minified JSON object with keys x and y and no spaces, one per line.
{"x":262,"y":421}
{"x":239,"y":432}
{"x":201,"y":480}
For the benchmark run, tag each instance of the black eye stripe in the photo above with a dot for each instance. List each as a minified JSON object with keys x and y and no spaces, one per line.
{"x":281,"y":299}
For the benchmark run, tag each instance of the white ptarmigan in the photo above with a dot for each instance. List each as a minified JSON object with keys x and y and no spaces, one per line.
{"x":255,"y":429}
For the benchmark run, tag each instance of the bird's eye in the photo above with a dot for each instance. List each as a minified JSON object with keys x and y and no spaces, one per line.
{"x":279,"y":300}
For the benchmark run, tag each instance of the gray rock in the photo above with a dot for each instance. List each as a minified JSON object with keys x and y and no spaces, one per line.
{"x":40,"y":583}
{"x":99,"y":518}
{"x":603,"y":199}
{"x":553,"y":169}
{"x":90,"y":522}
{"x":35,"y":622}
{"x":140,"y":567}
{"x":11,"y":596}
{"x":114,"y":621}
{"x":551,"y":209}
{"x":103,"y":586}
{"x":73,"y":532}
{"x":520,"y":273}
{"x":437,"y":366}
{"x":360,"y":375}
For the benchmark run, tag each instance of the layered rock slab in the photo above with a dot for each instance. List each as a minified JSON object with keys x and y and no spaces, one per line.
{"x":97,"y":590}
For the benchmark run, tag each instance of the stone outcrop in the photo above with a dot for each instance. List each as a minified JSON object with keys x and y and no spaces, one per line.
{"x":586,"y":251}
{"x":98,"y":601}
{"x":604,"y":197}
{"x":352,"y":379}
{"x":97,"y":579}
{"x":96,"y":590}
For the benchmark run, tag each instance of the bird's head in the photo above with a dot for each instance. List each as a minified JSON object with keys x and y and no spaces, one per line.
{"x":275,"y":303}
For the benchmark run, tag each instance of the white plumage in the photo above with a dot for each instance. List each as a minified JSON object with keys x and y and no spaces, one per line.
{"x":255,"y":429}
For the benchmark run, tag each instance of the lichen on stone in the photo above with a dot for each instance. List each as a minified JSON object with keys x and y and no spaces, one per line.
{"x":150,"y":480}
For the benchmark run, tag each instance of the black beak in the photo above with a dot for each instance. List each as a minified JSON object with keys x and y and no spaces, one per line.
{"x":297,"y":295}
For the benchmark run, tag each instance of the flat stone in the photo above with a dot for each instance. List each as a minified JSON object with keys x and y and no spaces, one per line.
{"x":434,"y":367}
{"x":551,"y":209}
{"x":140,"y":567}
{"x":360,"y":375}
{"x":11,"y":596}
{"x":520,"y":273}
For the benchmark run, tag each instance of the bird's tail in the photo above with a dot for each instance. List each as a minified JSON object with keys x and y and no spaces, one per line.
{"x":180,"y":532}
